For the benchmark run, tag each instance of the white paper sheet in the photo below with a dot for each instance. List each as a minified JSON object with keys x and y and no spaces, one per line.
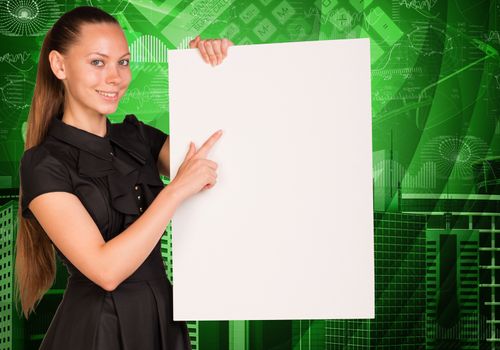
{"x":287,"y":231}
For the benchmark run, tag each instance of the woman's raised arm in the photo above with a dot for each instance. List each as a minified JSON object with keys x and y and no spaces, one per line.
{"x":163,"y":163}
{"x":73,"y":231}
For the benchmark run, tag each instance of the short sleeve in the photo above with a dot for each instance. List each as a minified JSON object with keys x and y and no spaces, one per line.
{"x":156,"y":139}
{"x":40,"y":173}
{"x":154,"y":136}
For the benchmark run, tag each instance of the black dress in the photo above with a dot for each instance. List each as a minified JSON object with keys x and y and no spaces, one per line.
{"x":116,"y":179}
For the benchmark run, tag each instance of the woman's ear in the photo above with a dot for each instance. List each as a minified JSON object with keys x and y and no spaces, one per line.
{"x":57,"y":64}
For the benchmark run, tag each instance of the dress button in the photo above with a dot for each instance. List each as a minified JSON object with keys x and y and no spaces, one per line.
{"x":136,"y":188}
{"x":140,"y":209}
{"x":111,"y":153}
{"x":138,"y":197}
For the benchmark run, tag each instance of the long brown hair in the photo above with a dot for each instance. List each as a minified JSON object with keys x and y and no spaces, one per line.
{"x":35,"y":266}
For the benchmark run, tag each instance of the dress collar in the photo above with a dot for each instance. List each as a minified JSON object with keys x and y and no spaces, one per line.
{"x":84,"y":140}
{"x":99,"y":146}
{"x":125,"y":166}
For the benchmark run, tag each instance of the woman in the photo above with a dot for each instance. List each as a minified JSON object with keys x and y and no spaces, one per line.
{"x":91,"y":190}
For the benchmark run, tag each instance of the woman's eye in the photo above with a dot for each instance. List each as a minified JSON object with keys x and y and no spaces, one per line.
{"x":127,"y":62}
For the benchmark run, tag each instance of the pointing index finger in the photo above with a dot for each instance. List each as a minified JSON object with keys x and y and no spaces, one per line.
{"x":207,"y":145}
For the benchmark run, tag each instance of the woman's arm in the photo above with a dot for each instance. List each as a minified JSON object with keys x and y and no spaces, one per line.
{"x":75,"y":234}
{"x":73,"y":231}
{"x":164,"y":159}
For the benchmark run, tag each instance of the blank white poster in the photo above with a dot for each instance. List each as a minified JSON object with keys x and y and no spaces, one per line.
{"x":287,"y":231}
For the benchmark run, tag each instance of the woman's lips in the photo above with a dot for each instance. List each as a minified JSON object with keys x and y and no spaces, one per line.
{"x":108,"y":95}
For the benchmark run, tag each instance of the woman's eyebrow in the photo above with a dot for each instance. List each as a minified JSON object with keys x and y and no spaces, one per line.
{"x":102,"y":54}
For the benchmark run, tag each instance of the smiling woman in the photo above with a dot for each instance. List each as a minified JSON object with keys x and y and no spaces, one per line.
{"x":90,"y":191}
{"x":110,"y":95}
{"x":95,"y":72}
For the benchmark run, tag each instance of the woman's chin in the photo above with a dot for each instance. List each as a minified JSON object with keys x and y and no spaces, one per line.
{"x":107,"y":109}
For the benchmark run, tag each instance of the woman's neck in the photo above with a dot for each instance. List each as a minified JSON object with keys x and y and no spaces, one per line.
{"x":94,"y":124}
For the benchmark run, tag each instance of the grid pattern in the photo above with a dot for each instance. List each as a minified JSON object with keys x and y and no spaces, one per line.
{"x":11,"y":330}
{"x":399,"y":290}
{"x":452,"y":315}
{"x":478,"y":212}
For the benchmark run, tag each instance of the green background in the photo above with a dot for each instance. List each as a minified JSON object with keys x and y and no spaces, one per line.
{"x":435,"y":101}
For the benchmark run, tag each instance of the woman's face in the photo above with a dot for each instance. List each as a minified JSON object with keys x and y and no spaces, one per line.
{"x":96,"y":71}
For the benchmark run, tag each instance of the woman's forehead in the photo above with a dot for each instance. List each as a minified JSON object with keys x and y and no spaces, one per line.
{"x":107,"y":39}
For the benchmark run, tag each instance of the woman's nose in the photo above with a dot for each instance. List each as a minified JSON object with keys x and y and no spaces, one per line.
{"x":113,"y":75}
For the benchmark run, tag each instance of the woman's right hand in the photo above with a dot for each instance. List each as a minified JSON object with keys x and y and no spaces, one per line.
{"x":196,"y":173}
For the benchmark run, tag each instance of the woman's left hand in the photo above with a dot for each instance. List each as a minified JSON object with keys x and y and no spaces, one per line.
{"x":213,"y":51}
